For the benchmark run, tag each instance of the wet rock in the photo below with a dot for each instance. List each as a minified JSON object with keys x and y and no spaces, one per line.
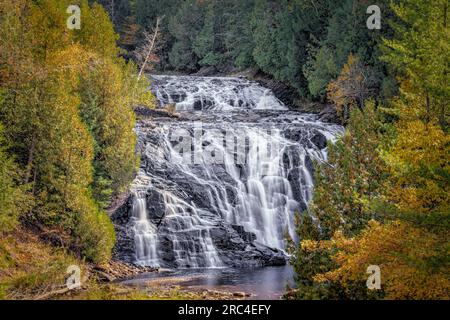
{"x":116,"y":270}
{"x":246,"y":236}
{"x":319,"y":140}
{"x":198,"y":105}
{"x":155,"y":205}
{"x":329,"y":114}
{"x":122,"y":214}
{"x":206,"y":71}
{"x":204,"y":201}
{"x":309,"y":164}
{"x":154,"y":113}
{"x":165,"y":248}
{"x":124,"y":249}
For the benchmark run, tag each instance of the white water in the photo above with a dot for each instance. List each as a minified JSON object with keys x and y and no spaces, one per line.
{"x":185,"y":218}
{"x":265,"y":202}
{"x":259,"y":183}
{"x":214,"y":93}
{"x":144,"y":233}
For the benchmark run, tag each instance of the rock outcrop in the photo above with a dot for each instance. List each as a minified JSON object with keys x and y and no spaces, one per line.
{"x":190,"y":212}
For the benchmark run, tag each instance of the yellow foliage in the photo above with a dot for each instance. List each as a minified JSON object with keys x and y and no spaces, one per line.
{"x":419,"y":164}
{"x":401,"y":251}
{"x":29,"y":268}
{"x":352,"y":86}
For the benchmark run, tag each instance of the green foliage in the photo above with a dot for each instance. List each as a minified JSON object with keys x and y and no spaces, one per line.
{"x":281,"y":33}
{"x":419,"y":52}
{"x":343,"y":192}
{"x":14,"y":200}
{"x":95,"y":234}
{"x":68,"y":120}
{"x":184,"y":26}
{"x":108,"y":93}
{"x":301,"y":43}
{"x":345,"y":33}
{"x":238,"y":37}
{"x":392,"y":168}
{"x":207,"y":43}
{"x":352,"y":178}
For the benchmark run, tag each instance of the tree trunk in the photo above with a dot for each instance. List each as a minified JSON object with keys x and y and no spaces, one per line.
{"x":150,"y":50}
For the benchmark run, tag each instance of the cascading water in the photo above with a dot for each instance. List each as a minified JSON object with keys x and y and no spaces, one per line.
{"x":214,"y":93}
{"x":221,"y":184}
{"x":144,"y":232}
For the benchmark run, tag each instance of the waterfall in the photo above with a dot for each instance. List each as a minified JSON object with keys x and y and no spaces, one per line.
{"x":144,"y":233}
{"x":213,"y":93}
{"x":220,"y":185}
{"x":198,"y":250}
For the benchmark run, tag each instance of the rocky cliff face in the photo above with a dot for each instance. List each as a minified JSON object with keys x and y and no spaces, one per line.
{"x":235,"y":246}
{"x":219,"y":184}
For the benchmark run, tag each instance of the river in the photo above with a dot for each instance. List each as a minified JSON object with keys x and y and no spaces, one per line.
{"x":268,"y":283}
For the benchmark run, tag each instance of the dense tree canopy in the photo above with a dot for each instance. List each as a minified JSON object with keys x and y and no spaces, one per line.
{"x":301,"y":43}
{"x":384,"y":198}
{"x":67,"y":146}
{"x":66,"y":122}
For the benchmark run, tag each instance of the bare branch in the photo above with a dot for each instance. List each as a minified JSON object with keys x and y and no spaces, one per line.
{"x":145,"y":52}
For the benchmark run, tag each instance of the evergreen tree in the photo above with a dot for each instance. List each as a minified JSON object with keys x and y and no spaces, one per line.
{"x":14,"y":199}
{"x":419,"y":52}
{"x":238,"y":37}
{"x":184,"y":26}
{"x":346,"y":33}
{"x":208,"y":43}
{"x":409,"y":242}
{"x":50,"y":119}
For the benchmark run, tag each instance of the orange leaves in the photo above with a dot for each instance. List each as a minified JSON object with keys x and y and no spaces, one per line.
{"x":352,"y":86}
{"x":401,"y":251}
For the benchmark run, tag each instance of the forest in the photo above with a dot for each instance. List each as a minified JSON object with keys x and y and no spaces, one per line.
{"x":304,"y":44}
{"x":68,"y":146}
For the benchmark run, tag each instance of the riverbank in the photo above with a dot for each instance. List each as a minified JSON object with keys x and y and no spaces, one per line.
{"x":268,"y":283}
{"x":32,"y":269}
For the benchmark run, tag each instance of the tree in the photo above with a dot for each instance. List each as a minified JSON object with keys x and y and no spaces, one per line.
{"x":352,"y":178}
{"x":184,"y":26}
{"x":419,"y":52}
{"x":14,"y":199}
{"x":412,"y":262}
{"x":345,"y":188}
{"x":129,"y":33}
{"x":354,"y":85}
{"x":409,"y":240}
{"x":208,"y":43}
{"x":238,"y":39}
{"x":146,"y":13}
{"x":328,"y":54}
{"x":50,"y":121}
{"x":145,"y":53}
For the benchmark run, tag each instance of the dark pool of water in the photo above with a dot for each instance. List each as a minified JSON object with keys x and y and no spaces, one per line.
{"x":262,"y":283}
